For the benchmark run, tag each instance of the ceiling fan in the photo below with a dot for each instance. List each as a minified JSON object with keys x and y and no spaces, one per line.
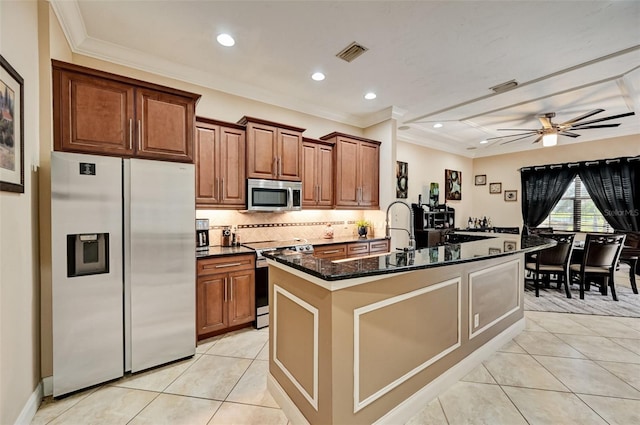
{"x":550,"y":130}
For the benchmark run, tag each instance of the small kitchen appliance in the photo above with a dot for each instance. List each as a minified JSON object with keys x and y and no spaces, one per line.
{"x":273,"y":195}
{"x":202,"y":234}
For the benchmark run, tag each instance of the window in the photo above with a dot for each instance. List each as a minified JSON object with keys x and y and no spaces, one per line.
{"x":576,"y":212}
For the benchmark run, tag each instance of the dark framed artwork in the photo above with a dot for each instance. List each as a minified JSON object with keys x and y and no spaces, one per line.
{"x":452,"y":185}
{"x":495,"y":188}
{"x":402,"y":179}
{"x":510,"y":246}
{"x":11,"y":129}
{"x":481,"y":180}
{"x":510,"y":195}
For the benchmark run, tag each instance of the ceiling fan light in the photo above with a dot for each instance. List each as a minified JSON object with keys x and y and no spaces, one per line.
{"x":550,"y":139}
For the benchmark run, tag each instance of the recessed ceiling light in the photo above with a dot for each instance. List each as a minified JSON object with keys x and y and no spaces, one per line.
{"x":226,"y":40}
{"x":318,"y":76}
{"x":483,"y":142}
{"x":370,"y":96}
{"x":404,"y":127}
{"x":437,"y":125}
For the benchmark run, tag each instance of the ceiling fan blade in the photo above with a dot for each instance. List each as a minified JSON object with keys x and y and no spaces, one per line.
{"x":582,"y":127}
{"x":529,"y":133}
{"x":545,"y":121}
{"x":537,"y":140}
{"x":519,"y":138}
{"x":612,"y":117}
{"x":518,"y":129}
{"x":581,"y":117}
{"x":569,"y":134}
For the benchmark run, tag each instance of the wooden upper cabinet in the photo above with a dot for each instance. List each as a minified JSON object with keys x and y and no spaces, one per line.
{"x":274,"y":151}
{"x":94,"y":116}
{"x":317,"y":180}
{"x":220,"y":164}
{"x":165,"y":125}
{"x":357,"y":178}
{"x":107,"y":114}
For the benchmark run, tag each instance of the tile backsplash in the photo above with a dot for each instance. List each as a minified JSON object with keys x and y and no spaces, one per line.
{"x":310,"y":224}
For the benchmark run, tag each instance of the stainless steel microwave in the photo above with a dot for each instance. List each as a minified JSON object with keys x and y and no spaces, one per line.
{"x":273,"y":195}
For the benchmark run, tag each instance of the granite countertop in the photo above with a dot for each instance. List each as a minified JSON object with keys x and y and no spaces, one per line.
{"x":219,"y":251}
{"x":493,"y":246}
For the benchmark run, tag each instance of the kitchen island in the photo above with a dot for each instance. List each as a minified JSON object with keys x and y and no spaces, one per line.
{"x":373,"y":339}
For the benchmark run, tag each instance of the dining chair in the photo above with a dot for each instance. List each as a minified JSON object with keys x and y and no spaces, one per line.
{"x":630,"y":255}
{"x":600,"y":258}
{"x":510,"y":230}
{"x":553,"y":261}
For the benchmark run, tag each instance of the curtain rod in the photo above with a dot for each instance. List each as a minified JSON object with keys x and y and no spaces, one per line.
{"x":577,"y":164}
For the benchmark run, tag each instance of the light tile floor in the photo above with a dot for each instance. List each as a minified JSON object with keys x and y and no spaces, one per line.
{"x":563,"y":369}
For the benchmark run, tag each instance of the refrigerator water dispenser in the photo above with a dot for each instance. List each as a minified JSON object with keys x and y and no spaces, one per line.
{"x":87,"y":254}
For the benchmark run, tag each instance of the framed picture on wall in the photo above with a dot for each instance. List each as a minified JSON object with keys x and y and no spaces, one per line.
{"x":402,"y":177}
{"x":452,"y":185}
{"x":11,"y":129}
{"x":510,"y":195}
{"x":495,"y":188}
{"x":510,"y":246}
{"x":481,"y":179}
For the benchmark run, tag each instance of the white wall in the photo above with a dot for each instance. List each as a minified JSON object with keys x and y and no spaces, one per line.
{"x":19,"y":292}
{"x":427,"y":165}
{"x":504,"y":169}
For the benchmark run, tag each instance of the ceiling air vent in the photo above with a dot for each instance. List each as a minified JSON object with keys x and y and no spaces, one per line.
{"x":352,"y":51}
{"x":504,"y":86}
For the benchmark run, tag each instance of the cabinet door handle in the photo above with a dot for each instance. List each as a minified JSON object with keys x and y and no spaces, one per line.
{"x":279,"y":166}
{"x":222,"y":266}
{"x":231,"y":289}
{"x":331,"y":251}
{"x":274,"y":167}
{"x":222,"y":191}
{"x":225,"y":289}
{"x":130,"y":133}
{"x":139,"y":135}
{"x":217,"y":185}
{"x":317,"y":194}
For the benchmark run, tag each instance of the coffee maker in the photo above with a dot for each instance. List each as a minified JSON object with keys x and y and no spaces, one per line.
{"x":202,"y":234}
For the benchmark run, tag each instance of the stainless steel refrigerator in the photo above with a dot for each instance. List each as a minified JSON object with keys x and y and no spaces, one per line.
{"x":123,"y":266}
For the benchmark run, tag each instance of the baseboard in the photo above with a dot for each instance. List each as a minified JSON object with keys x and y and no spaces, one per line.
{"x":47,"y":386}
{"x":291,"y":411}
{"x":418,"y":401}
{"x":31,"y":407}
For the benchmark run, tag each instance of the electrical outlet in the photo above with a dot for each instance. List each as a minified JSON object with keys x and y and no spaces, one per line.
{"x":476,"y":320}
{"x":346,"y":224}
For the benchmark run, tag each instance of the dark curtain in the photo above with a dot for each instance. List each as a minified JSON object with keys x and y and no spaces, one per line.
{"x":614,"y":188}
{"x":542,"y":188}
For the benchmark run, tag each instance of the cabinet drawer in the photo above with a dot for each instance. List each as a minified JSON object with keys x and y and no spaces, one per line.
{"x":379,"y":246}
{"x":330,"y":251}
{"x":225,"y":264}
{"x":358,"y":249}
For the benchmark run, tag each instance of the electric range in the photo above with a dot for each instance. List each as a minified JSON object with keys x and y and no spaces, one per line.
{"x":262,"y":271}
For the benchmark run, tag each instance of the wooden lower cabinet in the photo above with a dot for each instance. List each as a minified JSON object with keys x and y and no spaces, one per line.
{"x":350,"y":250}
{"x":224,"y":299}
{"x":332,"y":251}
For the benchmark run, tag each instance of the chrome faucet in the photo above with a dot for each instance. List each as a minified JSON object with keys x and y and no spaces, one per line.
{"x":409,"y":230}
